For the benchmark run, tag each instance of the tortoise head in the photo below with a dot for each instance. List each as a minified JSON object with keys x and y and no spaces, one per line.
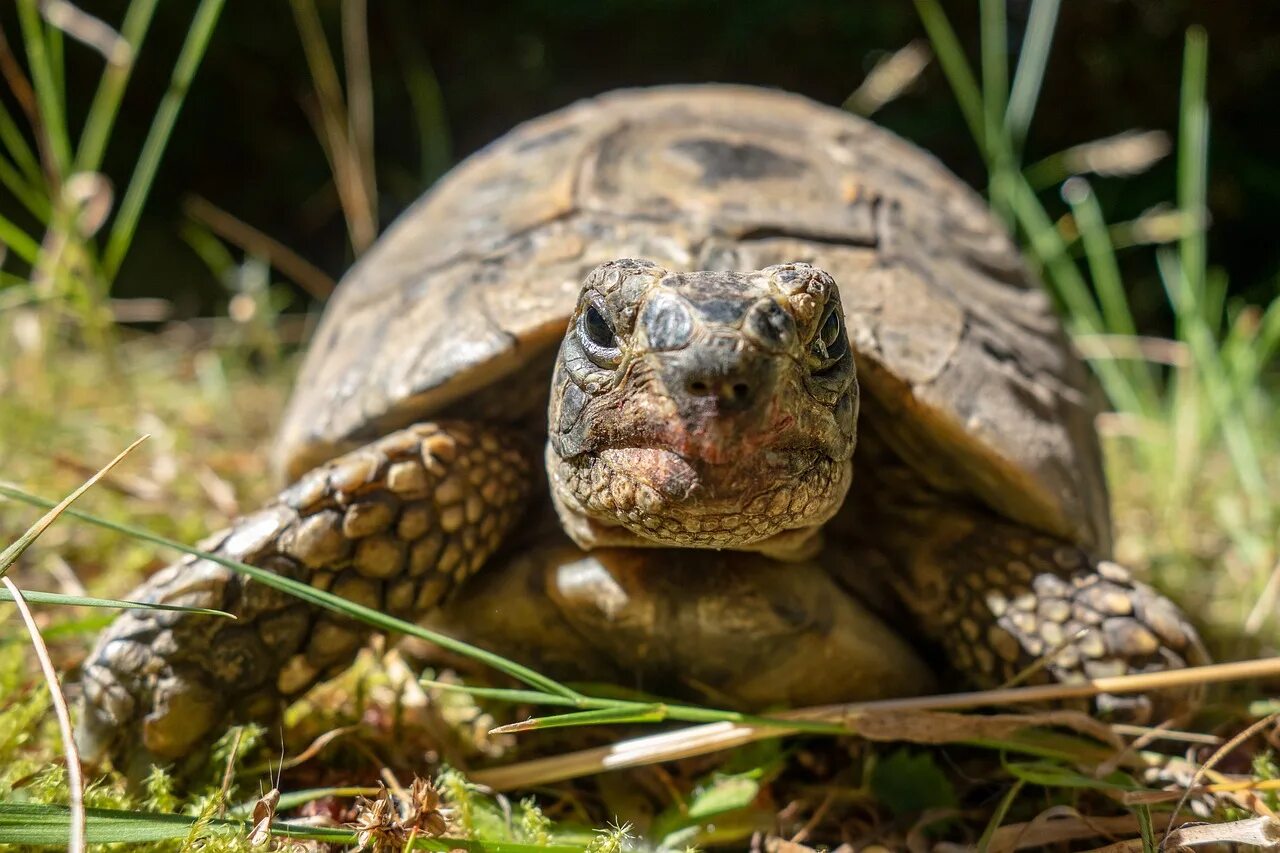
{"x":703,"y":409}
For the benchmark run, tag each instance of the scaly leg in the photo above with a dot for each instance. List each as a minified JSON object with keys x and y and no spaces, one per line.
{"x":1000,"y":597}
{"x":393,"y":525}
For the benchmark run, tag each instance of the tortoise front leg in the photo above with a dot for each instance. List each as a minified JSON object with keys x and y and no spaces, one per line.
{"x":393,"y":525}
{"x":1001,"y":598}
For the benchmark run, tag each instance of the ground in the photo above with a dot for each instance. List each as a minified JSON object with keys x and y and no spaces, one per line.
{"x":208,"y":395}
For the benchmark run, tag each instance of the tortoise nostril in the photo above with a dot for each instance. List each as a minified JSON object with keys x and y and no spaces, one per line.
{"x":730,"y":391}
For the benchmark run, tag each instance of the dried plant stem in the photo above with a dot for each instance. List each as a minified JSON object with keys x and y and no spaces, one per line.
{"x":305,"y":274}
{"x":713,"y":737}
{"x":75,"y":779}
{"x":11,"y":554}
{"x":1222,"y":752}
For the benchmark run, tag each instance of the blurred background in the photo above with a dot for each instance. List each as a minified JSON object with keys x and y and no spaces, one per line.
{"x":448,"y":77}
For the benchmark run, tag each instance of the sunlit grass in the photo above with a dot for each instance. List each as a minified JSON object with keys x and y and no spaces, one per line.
{"x":1192,"y":448}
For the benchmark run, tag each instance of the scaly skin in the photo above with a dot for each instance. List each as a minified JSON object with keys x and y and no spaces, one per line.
{"x":999,"y":599}
{"x":639,"y":456}
{"x":694,"y":410}
{"x":703,"y":410}
{"x":393,"y":525}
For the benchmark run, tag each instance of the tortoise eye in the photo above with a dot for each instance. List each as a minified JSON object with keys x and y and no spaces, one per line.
{"x":831,"y":342}
{"x":597,"y":329}
{"x":830,"y":329}
{"x":598,"y":337}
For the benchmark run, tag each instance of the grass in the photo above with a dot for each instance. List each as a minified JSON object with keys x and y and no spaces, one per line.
{"x":1191,"y":448}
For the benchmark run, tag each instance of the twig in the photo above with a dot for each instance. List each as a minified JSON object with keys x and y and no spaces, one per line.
{"x":816,"y":818}
{"x":308,"y":276}
{"x":1166,"y":734}
{"x":1141,"y":742}
{"x":75,"y":779}
{"x":1225,"y":750}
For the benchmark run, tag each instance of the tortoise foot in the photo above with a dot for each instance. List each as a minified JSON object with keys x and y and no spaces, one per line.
{"x":392,"y":526}
{"x":1020,"y":607}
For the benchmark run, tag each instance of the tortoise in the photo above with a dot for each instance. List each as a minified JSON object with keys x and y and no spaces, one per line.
{"x":761,"y":487}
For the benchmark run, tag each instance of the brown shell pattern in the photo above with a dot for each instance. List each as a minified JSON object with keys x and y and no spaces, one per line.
{"x":965,"y":367}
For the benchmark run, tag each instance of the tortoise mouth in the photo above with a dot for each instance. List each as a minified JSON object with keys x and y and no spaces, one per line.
{"x":668,"y":499}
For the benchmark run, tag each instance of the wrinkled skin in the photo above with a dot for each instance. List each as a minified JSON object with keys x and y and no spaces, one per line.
{"x":704,"y":410}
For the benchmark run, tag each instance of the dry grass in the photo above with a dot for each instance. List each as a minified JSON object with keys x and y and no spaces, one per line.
{"x":211,"y":410}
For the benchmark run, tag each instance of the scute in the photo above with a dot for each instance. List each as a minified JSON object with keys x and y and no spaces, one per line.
{"x":968,"y":373}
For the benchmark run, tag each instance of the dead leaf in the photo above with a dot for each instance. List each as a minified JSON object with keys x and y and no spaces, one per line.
{"x":1261,"y":832}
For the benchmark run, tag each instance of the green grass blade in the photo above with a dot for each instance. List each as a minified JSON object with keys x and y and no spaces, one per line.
{"x":33,"y":200}
{"x":1001,"y":164}
{"x":1068,"y":285}
{"x":52,"y":116}
{"x":435,"y":146}
{"x":1146,"y":829}
{"x":380,"y":620}
{"x":1051,"y":774}
{"x":600,"y":716}
{"x":118,"y":603}
{"x":57,"y":71}
{"x":1268,"y":337}
{"x":1217,"y":386}
{"x":11,"y":554}
{"x":359,"y":78}
{"x":502,"y":693}
{"x":1193,"y":157}
{"x":320,"y":598}
{"x":106,"y":101}
{"x":18,"y":241}
{"x":995,"y":63}
{"x":1047,"y":244}
{"x":1029,"y":76}
{"x":1117,"y":319}
{"x":135,"y":196}
{"x":997,"y":817}
{"x":671,"y":711}
{"x":46,"y":825}
{"x":956,"y":68}
{"x":16,"y":144}
{"x":1186,"y":278}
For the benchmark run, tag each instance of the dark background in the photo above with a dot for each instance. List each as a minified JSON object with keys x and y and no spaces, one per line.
{"x":244,"y":142}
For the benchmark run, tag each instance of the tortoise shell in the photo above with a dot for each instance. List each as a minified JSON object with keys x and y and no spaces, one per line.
{"x":458,"y":310}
